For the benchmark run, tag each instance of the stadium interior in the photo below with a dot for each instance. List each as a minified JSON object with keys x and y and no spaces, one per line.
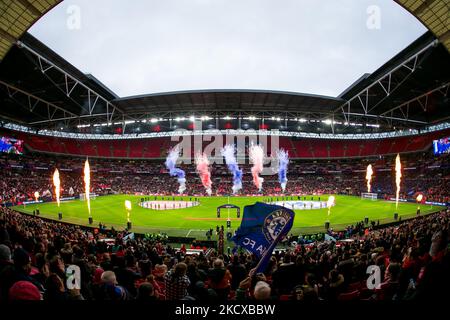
{"x":54,"y":116}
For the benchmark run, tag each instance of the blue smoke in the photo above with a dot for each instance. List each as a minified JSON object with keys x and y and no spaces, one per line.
{"x":230,"y":160}
{"x":283,"y":161}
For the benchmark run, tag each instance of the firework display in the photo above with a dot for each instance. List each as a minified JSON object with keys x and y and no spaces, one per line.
{"x":228,"y":152}
{"x":369,"y":174}
{"x":283,"y":161}
{"x":87,"y":185}
{"x":57,"y":186}
{"x":398,"y":179}
{"x":171,"y":161}
{"x":256,"y":155}
{"x":202,"y":165}
{"x":331,"y":202}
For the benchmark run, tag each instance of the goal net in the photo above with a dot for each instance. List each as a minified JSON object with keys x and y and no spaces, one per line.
{"x":371,"y":196}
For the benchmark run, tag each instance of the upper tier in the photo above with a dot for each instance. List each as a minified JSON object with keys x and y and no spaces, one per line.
{"x":300,"y":148}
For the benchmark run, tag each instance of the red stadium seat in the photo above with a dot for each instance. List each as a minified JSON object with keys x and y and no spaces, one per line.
{"x":304,"y":148}
{"x":353,"y":295}
{"x":355,"y":286}
{"x":336,"y":148}
{"x":352,"y":148}
{"x":319,"y":149}
{"x":88,"y":149}
{"x":103,"y":148}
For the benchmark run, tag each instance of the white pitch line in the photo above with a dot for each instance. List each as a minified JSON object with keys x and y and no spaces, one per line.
{"x":196,"y":230}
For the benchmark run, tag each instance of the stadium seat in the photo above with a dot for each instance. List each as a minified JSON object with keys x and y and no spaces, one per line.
{"x":355,"y":286}
{"x":304,"y":148}
{"x":353,"y":295}
{"x":336,"y":148}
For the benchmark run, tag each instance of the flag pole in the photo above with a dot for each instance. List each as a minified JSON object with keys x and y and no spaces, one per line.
{"x":228,"y":208}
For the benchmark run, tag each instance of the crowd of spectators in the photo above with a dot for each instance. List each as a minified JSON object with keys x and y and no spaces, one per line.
{"x":21,"y":176}
{"x":36,"y":258}
{"x":36,"y":255}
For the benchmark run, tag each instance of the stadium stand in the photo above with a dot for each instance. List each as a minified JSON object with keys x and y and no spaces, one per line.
{"x":430,"y":175}
{"x":413,"y":256}
{"x":412,"y":267}
{"x":156,"y":148}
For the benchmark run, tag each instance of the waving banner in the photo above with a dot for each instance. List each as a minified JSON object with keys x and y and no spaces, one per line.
{"x":262,"y":227}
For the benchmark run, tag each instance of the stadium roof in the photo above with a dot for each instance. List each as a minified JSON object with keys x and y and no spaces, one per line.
{"x":17,"y":16}
{"x":412,"y":86}
{"x":434,"y":14}
{"x":39,"y":88}
{"x":229,"y":100}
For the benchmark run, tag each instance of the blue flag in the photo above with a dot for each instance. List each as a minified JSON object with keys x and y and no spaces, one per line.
{"x":128,"y":237}
{"x":262,"y":227}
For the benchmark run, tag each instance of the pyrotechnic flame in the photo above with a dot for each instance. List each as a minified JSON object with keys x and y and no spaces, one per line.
{"x":398,"y":178}
{"x":331,"y":201}
{"x":419,"y":197}
{"x":87,"y":184}
{"x":36,"y":196}
{"x":57,"y":184}
{"x":128,"y":207}
{"x":369,"y":174}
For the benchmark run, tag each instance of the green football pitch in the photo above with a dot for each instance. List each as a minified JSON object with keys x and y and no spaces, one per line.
{"x":195,"y":221}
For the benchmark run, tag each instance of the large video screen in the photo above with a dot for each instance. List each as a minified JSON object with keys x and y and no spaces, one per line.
{"x":441,"y":146}
{"x":11,"y":145}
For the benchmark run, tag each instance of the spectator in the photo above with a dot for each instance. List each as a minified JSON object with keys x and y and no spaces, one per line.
{"x":176,"y":282}
{"x":6,"y":271}
{"x":238,"y":272}
{"x":146,"y":292}
{"x":413,"y":256}
{"x":55,"y":283}
{"x":283,"y":276}
{"x":219,"y":279}
{"x":262,"y":291}
{"x":336,"y":285}
{"x":110,"y":290}
{"x":24,"y":290}
{"x":390,"y":287}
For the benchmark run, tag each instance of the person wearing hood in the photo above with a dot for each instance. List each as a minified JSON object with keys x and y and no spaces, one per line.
{"x":200,"y":292}
{"x":6,"y":272}
{"x":335,"y":285}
